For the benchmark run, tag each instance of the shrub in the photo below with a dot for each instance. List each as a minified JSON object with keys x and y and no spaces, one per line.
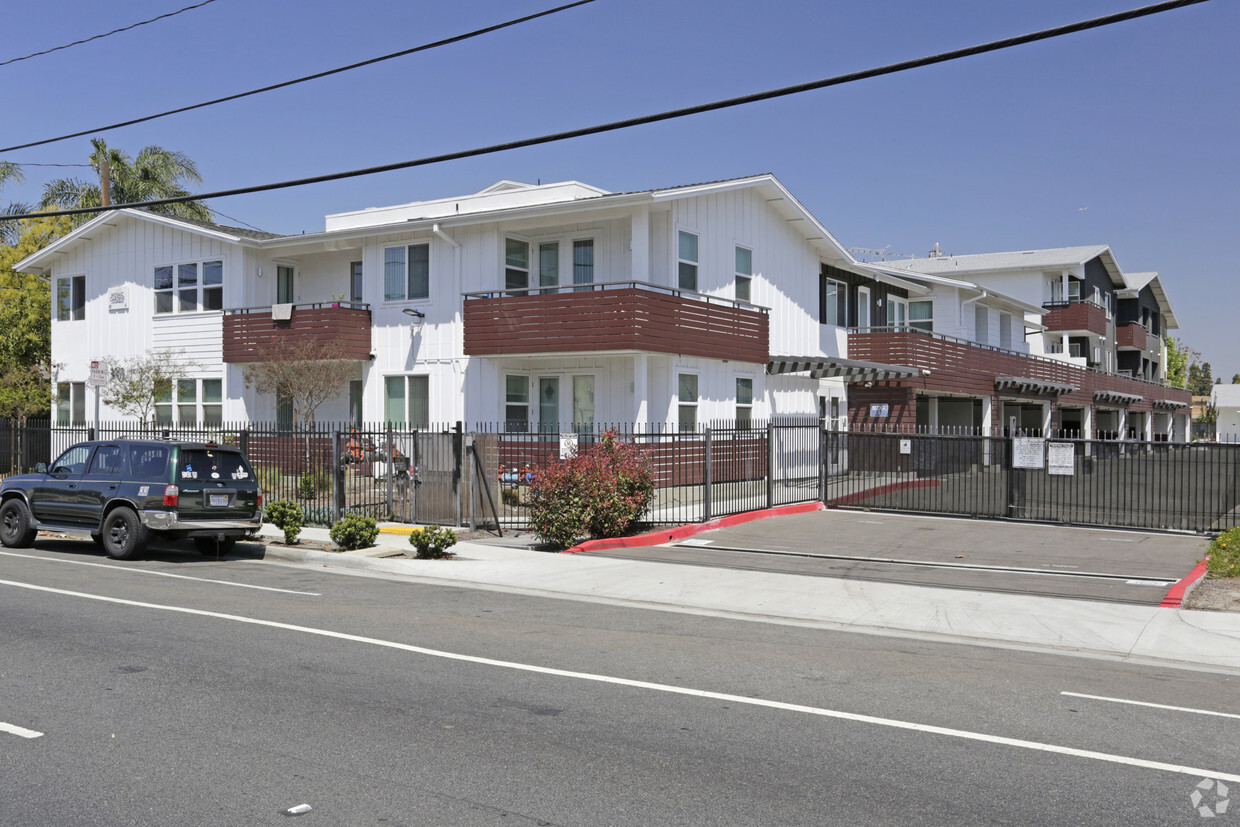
{"x":355,"y":531}
{"x":1225,"y":555}
{"x":432,"y":542}
{"x":600,"y":492}
{"x":316,"y":515}
{"x":286,"y":516}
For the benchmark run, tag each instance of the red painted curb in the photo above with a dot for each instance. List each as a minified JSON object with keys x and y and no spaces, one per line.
{"x":1175,"y":596}
{"x":654,"y":538}
{"x":849,"y":499}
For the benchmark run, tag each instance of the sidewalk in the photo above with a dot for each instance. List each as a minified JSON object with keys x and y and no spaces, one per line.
{"x":1145,"y":634}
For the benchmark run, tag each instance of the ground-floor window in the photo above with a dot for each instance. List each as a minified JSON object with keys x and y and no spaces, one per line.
{"x":406,"y":400}
{"x":516,"y":403}
{"x":70,"y":403}
{"x":583,"y":403}
{"x":744,"y":402}
{"x":687,"y":401}
{"x":191,"y":402}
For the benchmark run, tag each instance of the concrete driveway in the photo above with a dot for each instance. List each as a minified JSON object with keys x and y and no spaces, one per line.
{"x":1018,"y":558}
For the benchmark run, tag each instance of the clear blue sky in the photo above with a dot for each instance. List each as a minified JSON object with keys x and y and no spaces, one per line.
{"x":1123,"y":136}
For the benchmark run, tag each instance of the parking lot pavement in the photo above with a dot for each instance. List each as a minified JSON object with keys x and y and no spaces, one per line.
{"x":1018,"y":558}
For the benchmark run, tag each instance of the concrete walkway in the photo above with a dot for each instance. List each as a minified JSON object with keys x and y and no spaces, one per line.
{"x":1145,"y":634}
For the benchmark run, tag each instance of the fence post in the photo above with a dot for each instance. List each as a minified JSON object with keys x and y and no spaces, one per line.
{"x":337,"y":479}
{"x":243,"y":439}
{"x":706,"y":475}
{"x":770,"y":464}
{"x":90,"y":434}
{"x":391,"y":463}
{"x":456,"y":469}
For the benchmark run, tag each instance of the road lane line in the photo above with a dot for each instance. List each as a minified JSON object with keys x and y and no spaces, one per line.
{"x":1155,"y":706}
{"x":13,"y":729}
{"x":157,"y":573}
{"x":662,"y":687}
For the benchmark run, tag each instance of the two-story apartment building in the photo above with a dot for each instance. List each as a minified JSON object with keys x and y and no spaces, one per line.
{"x":534,"y":306}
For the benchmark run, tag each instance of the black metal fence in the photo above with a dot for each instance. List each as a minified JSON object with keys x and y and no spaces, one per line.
{"x":1156,"y":485}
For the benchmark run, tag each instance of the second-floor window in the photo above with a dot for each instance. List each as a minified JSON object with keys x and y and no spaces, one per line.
{"x":71,"y":298}
{"x":407,"y":272}
{"x":516,"y":264}
{"x":744,"y":273}
{"x":189,"y":287}
{"x":834,"y":308}
{"x":921,"y":315}
{"x":583,"y":262}
{"x":687,"y":260}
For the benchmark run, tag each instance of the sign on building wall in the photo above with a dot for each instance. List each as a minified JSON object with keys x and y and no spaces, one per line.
{"x":1028,"y":452}
{"x":879,"y":409}
{"x":1061,"y":458}
{"x":118,"y":298}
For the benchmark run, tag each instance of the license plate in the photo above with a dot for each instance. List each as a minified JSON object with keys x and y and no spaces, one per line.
{"x":219,"y":500}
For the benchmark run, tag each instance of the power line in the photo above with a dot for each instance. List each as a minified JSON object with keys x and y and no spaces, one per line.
{"x":105,"y":34}
{"x":424,"y":47}
{"x":32,"y":164}
{"x":892,"y":68}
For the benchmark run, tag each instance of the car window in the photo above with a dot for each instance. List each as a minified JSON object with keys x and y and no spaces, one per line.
{"x":206,"y":464}
{"x":149,"y":461}
{"x":72,"y":461}
{"x":109,"y":460}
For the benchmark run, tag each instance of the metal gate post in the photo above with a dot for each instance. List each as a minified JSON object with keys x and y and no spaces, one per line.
{"x":770,"y":465}
{"x":706,"y":474}
{"x":456,"y":470}
{"x":337,"y":479}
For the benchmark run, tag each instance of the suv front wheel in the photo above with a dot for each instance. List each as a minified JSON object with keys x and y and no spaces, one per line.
{"x":123,"y":536}
{"x":15,"y":528}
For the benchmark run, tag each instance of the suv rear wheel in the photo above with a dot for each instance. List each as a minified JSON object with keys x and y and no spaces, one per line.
{"x":15,"y":528}
{"x":124,"y":537}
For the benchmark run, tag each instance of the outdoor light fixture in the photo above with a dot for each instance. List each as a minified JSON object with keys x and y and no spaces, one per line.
{"x":417,"y":314}
{"x":417,"y":317}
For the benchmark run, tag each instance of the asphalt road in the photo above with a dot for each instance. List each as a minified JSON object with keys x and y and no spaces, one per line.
{"x":980,"y":555}
{"x":179,"y":691}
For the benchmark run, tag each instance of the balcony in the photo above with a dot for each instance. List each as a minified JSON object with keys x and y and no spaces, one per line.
{"x":960,"y":366}
{"x":614,"y":316}
{"x":1131,"y":335}
{"x":1075,"y":315}
{"x":251,"y":334}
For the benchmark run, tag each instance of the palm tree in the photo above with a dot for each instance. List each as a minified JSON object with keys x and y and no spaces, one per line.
{"x":156,"y":173}
{"x":10,"y":230}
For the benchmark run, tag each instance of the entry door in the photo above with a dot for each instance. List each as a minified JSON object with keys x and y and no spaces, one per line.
{"x":284,"y":285}
{"x":863,"y":308}
{"x":897,"y":313}
{"x":549,"y":404}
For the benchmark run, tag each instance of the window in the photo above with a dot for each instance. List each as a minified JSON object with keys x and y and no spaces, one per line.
{"x":284,"y":411}
{"x":687,"y":396}
{"x":583,"y":262}
{"x":744,"y":273}
{"x":863,"y":308}
{"x":897,"y":313}
{"x":70,"y":403}
{"x":516,"y":264}
{"x":834,"y":296}
{"x":1074,"y":290}
{"x":407,"y":272}
{"x":1005,"y":330}
{"x":516,"y":404}
{"x":284,"y":284}
{"x":1056,"y":290}
{"x":71,"y":298}
{"x":549,"y":404}
{"x":921,"y":315}
{"x":583,"y":403}
{"x":744,"y":402}
{"x":196,"y":401}
{"x":687,"y":260}
{"x":406,"y":400}
{"x":189,"y":287}
{"x":355,"y":402}
{"x":355,"y":281}
{"x":981,"y":324}
{"x":549,"y":265}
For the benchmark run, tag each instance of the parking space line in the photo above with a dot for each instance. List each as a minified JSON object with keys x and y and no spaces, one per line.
{"x":852,"y":717}
{"x":1155,"y":706}
{"x":21,"y":732}
{"x":157,"y":573}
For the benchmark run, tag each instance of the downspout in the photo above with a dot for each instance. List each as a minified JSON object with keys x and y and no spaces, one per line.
{"x":981,"y":295}
{"x":439,"y":232}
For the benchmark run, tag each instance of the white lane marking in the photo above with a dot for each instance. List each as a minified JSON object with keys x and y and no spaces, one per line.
{"x":663,"y":687}
{"x":1155,"y":706}
{"x":1159,"y":583}
{"x":13,"y":729}
{"x":157,"y":573}
{"x":696,"y":542}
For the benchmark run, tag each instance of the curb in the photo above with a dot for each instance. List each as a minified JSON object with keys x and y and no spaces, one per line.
{"x":1178,"y":593}
{"x":655,"y":538}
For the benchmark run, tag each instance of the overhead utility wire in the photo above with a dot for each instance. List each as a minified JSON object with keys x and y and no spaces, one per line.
{"x":424,"y":47}
{"x":889,"y":69}
{"x":105,"y":34}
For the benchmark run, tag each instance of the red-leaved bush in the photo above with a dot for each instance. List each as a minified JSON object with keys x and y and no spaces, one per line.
{"x":601,"y":492}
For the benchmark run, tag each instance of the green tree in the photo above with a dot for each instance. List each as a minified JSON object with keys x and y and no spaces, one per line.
{"x":1177,"y":363}
{"x":1235,"y":378}
{"x":1200,"y":378}
{"x":25,"y":326}
{"x":10,"y":231}
{"x":142,"y":381}
{"x":155,"y":173}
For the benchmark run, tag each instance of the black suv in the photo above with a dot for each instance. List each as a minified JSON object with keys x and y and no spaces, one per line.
{"x":126,"y":492}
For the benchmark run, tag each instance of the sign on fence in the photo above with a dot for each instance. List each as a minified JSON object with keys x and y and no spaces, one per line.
{"x":1061,"y":458}
{"x":1028,"y":452}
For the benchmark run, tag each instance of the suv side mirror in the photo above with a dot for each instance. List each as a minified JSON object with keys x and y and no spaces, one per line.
{"x":40,"y":468}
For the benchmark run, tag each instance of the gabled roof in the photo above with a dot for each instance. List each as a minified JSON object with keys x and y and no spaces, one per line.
{"x":1060,"y":258}
{"x":1139,"y":281}
{"x":37,"y":262}
{"x":998,"y":299}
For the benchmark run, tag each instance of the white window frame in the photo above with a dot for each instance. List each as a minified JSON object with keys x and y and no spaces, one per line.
{"x":840,"y":303}
{"x":683,"y":406}
{"x":927,"y":324}
{"x":505,"y":404}
{"x":70,"y":403}
{"x":865,"y":305}
{"x":894,"y":323}
{"x":422,"y":419}
{"x":741,"y":277}
{"x":186,"y":403}
{"x":430,"y":266}
{"x":75,"y":288}
{"x":200,"y":288}
{"x":507,"y":268}
{"x":744,"y":410}
{"x":696,"y":263}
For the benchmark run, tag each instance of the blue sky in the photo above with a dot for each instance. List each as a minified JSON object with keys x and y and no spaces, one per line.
{"x":1123,"y":136}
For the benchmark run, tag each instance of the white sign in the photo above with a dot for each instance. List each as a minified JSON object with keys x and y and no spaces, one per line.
{"x":568,"y":445}
{"x":118,"y":298}
{"x":1061,"y":458}
{"x":906,"y":446}
{"x":1028,"y":452}
{"x":99,"y":374}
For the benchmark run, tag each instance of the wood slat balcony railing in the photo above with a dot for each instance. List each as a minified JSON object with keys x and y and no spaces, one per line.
{"x":1131,"y":334}
{"x":614,"y":316}
{"x":336,"y":330}
{"x":1065,"y":316}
